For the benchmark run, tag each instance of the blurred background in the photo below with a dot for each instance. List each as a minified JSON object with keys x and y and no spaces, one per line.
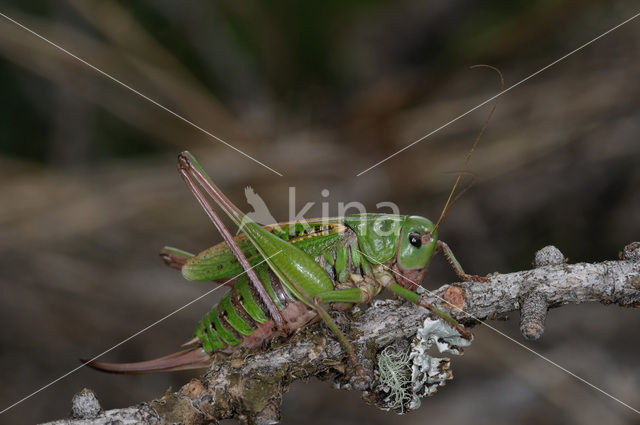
{"x":319,"y":91}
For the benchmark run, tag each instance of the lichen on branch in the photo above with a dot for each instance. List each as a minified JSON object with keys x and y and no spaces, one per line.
{"x":249,"y":386}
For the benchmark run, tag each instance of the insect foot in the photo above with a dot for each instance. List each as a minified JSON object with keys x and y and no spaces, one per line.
{"x":407,"y":372}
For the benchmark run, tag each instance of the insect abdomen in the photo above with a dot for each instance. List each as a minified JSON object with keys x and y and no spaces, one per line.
{"x":240,"y":313}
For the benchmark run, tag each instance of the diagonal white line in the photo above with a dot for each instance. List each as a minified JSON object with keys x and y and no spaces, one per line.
{"x":500,"y":93}
{"x":131,"y":337}
{"x":508,"y":337}
{"x":142,"y":95}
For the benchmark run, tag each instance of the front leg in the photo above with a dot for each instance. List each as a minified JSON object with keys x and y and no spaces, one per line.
{"x":455,"y":264}
{"x":386,"y":278}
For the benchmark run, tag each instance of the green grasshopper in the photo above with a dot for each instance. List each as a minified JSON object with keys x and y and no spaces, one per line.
{"x":287,"y":275}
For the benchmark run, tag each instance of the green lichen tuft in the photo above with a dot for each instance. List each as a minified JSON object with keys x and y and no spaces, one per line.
{"x":394,"y":375}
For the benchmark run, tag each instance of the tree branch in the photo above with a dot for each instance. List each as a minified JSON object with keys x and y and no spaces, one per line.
{"x":249,"y":386}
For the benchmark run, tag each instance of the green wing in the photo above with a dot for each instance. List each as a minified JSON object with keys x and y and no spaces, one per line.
{"x":218,"y":262}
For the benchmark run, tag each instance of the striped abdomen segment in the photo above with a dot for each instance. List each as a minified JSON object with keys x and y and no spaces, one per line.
{"x":240,"y":312}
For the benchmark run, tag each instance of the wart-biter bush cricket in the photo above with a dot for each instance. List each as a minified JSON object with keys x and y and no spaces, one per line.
{"x":290,"y":274}
{"x":285,"y":276}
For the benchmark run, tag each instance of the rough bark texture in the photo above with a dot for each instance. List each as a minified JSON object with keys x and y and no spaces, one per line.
{"x":249,"y":386}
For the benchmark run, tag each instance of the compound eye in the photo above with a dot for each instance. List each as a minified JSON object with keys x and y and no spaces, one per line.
{"x":415,"y":240}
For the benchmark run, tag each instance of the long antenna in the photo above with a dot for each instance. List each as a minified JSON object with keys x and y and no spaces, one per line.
{"x":451,"y":200}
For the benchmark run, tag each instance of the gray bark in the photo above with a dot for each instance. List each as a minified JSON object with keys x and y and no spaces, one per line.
{"x":249,"y":387}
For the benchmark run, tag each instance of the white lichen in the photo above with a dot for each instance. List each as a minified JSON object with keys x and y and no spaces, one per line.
{"x":407,"y":376}
{"x":394,"y":375}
